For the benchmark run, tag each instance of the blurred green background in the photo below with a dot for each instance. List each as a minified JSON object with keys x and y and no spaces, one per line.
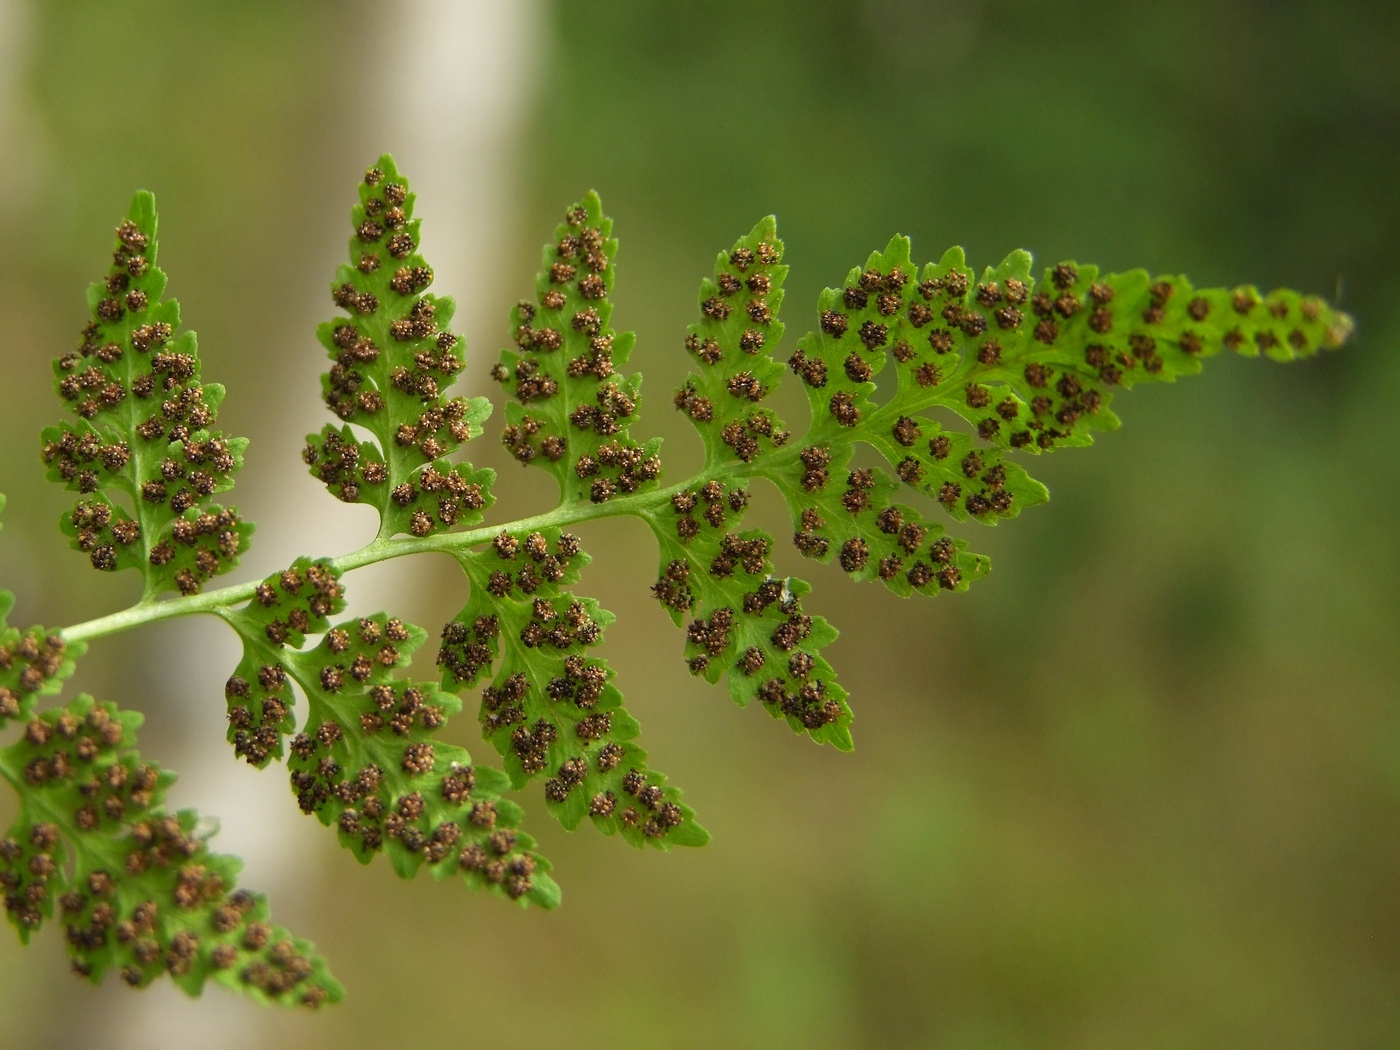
{"x":1138,"y":788}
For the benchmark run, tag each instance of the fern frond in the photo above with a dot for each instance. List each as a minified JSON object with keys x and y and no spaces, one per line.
{"x":551,"y":710}
{"x":368,"y":760}
{"x":395,"y":356}
{"x":951,"y":382}
{"x":572,"y":406}
{"x":1027,"y":367}
{"x":139,"y":890}
{"x":144,"y":432}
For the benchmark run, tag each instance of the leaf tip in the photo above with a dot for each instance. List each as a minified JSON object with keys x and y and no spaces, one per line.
{"x":143,"y":211}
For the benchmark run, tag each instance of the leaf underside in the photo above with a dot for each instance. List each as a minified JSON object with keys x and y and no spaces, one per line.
{"x":367,"y":759}
{"x":953,"y":381}
{"x":143,"y":452}
{"x":137,"y":887}
{"x":984,"y":374}
{"x":394,"y":357}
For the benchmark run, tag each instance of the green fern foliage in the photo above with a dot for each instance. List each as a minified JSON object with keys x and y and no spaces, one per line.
{"x":367,"y":759}
{"x":394,"y":357}
{"x":138,"y":889}
{"x":144,"y":431}
{"x":983,"y":370}
{"x":551,"y":709}
{"x":572,"y":407}
{"x":952,"y":382}
{"x":1025,"y":366}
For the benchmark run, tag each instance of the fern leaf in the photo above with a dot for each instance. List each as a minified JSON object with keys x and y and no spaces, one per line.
{"x":551,"y":710}
{"x":144,"y":431}
{"x":572,"y":407}
{"x":732,"y":346}
{"x":139,"y":890}
{"x":1025,"y":366}
{"x":394,"y":357}
{"x":368,"y":760}
{"x":985,"y":373}
{"x":745,"y":623}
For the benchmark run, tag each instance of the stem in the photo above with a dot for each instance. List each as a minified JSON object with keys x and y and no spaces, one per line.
{"x":382,"y":549}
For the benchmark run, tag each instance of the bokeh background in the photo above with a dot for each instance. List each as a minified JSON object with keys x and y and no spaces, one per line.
{"x":1138,"y":788}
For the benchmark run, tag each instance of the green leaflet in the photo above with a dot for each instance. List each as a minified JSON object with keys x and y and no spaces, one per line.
{"x":138,"y":888}
{"x":144,"y":431}
{"x":367,"y":759}
{"x":746,"y":622}
{"x":395,"y":356}
{"x":733,"y":348}
{"x":572,"y":407}
{"x":551,"y":710}
{"x":1024,"y":366}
